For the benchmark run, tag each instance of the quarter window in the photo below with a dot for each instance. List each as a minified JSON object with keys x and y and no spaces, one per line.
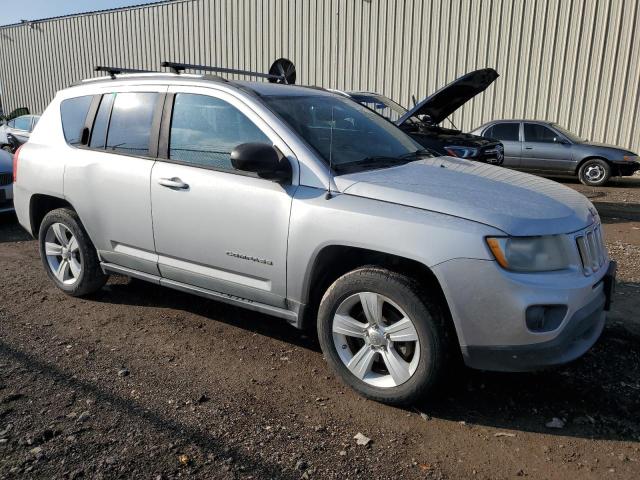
{"x":534,"y":132}
{"x":130,"y":123}
{"x":73,"y":112}
{"x":204,"y":131}
{"x":508,"y":132}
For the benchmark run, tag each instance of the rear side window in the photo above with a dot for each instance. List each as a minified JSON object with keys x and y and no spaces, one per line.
{"x":73,"y":112}
{"x":534,"y":132}
{"x":130,"y":123}
{"x":504,"y":131}
{"x":204,"y":131}
{"x":23,"y":123}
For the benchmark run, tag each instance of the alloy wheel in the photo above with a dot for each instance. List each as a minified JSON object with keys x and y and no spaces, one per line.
{"x":63,"y":254}
{"x":376,"y":340}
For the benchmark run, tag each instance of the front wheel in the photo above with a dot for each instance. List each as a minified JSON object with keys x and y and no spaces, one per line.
{"x":68,"y":255}
{"x":594,"y":172}
{"x":384,"y":337}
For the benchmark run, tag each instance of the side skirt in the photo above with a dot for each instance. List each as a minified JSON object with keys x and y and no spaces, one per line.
{"x":288,"y":315}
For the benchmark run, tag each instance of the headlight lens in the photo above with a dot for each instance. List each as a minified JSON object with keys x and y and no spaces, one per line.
{"x":631,"y":158}
{"x":462,"y":152}
{"x":530,"y":254}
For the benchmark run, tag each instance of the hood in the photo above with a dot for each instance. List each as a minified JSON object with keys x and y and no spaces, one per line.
{"x":451,"y":97}
{"x":516,"y":203}
{"x":623,"y":151}
{"x":6,"y":162}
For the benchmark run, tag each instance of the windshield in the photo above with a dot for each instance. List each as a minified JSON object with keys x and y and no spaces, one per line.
{"x":344,"y":133}
{"x":567,"y":133}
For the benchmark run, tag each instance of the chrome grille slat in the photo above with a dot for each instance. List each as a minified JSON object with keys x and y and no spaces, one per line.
{"x":591,"y":249}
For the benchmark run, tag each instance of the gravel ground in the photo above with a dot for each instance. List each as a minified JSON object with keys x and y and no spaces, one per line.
{"x":138,"y":381}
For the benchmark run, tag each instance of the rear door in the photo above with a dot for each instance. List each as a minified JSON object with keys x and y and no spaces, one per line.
{"x":545,"y":150}
{"x":108,"y":181}
{"x":215,"y":227}
{"x":509,"y":134}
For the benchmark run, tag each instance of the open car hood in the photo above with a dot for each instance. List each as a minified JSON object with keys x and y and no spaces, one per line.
{"x":451,"y":97}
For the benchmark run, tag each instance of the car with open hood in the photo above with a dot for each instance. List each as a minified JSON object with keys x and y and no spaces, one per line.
{"x":305,"y":205}
{"x":547,"y":148}
{"x":423,"y":121}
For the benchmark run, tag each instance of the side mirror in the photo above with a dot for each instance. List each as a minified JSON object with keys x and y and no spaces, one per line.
{"x":262,"y":159}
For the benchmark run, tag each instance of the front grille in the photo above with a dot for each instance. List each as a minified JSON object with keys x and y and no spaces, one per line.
{"x":592,"y":250}
{"x":494,"y":154}
{"x":6,"y":179}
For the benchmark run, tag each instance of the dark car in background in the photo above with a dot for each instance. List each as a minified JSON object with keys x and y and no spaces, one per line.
{"x":423,"y":121}
{"x":547,"y":148}
{"x":6,"y":182}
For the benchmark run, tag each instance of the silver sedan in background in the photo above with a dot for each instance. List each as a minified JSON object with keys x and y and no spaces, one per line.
{"x":547,"y":148}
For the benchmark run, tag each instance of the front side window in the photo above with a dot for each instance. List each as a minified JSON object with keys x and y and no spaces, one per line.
{"x":23,"y":123}
{"x":534,"y":132}
{"x":130,"y":124}
{"x":345,"y":134}
{"x":204,"y":131}
{"x":73,"y":112}
{"x":506,"y":132}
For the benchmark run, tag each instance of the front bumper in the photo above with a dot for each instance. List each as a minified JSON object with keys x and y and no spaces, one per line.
{"x":489,"y":305}
{"x":6,"y":198}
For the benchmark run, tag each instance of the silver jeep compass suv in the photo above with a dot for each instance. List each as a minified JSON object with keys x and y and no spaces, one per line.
{"x":305,"y":205}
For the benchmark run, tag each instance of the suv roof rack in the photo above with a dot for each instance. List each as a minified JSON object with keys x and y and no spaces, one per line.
{"x":285,"y":71}
{"x":181,"y":67}
{"x":113,"y":71}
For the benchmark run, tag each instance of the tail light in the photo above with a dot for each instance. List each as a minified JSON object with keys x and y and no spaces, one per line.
{"x":15,"y":164}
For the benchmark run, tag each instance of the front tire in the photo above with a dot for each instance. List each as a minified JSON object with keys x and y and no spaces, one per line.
{"x":594,"y":172}
{"x":383,"y":336}
{"x":68,"y":255}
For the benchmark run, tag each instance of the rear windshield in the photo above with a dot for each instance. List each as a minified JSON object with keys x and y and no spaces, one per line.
{"x":343,"y":132}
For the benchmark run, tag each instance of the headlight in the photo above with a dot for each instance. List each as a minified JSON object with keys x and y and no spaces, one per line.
{"x":631,"y":158}
{"x":462,"y":152}
{"x":530,"y":254}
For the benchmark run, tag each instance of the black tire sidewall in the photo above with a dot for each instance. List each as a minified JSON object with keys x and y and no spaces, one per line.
{"x":89,"y":279}
{"x":594,"y":161}
{"x":426,"y":318}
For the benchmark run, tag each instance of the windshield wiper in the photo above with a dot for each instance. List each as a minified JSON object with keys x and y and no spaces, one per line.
{"x":425,"y":152}
{"x":377,"y":161}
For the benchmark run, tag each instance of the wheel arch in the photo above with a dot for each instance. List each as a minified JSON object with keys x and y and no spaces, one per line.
{"x":595,"y":157}
{"x":333,"y":261}
{"x":40,"y":205}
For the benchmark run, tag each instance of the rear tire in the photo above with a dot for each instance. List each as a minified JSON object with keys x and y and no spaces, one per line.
{"x":378,"y":359}
{"x":68,"y":255}
{"x":595,"y":172}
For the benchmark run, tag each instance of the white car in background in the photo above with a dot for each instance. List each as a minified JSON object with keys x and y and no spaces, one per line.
{"x":20,"y":127}
{"x":6,"y":182}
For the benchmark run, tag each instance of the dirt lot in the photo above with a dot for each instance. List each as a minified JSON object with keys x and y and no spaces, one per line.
{"x":144,"y":382}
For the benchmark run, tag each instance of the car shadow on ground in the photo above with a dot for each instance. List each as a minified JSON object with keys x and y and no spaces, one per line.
{"x":597,"y":396}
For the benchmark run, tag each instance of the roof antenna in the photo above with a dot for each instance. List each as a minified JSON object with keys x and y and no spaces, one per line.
{"x":328,"y":196}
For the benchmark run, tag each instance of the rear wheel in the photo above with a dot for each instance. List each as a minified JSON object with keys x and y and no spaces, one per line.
{"x":382,"y":335}
{"x":68,"y":255}
{"x":594,"y":172}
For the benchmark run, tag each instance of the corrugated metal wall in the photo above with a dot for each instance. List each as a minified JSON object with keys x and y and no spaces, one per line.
{"x":572,"y":61}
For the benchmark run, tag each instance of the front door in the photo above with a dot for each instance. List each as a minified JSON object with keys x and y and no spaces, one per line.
{"x":544,"y":150}
{"x":215,"y":227}
{"x":509,"y":134}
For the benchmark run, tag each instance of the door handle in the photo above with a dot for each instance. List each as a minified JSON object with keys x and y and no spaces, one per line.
{"x":528,"y":148}
{"x":174,"y":183}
